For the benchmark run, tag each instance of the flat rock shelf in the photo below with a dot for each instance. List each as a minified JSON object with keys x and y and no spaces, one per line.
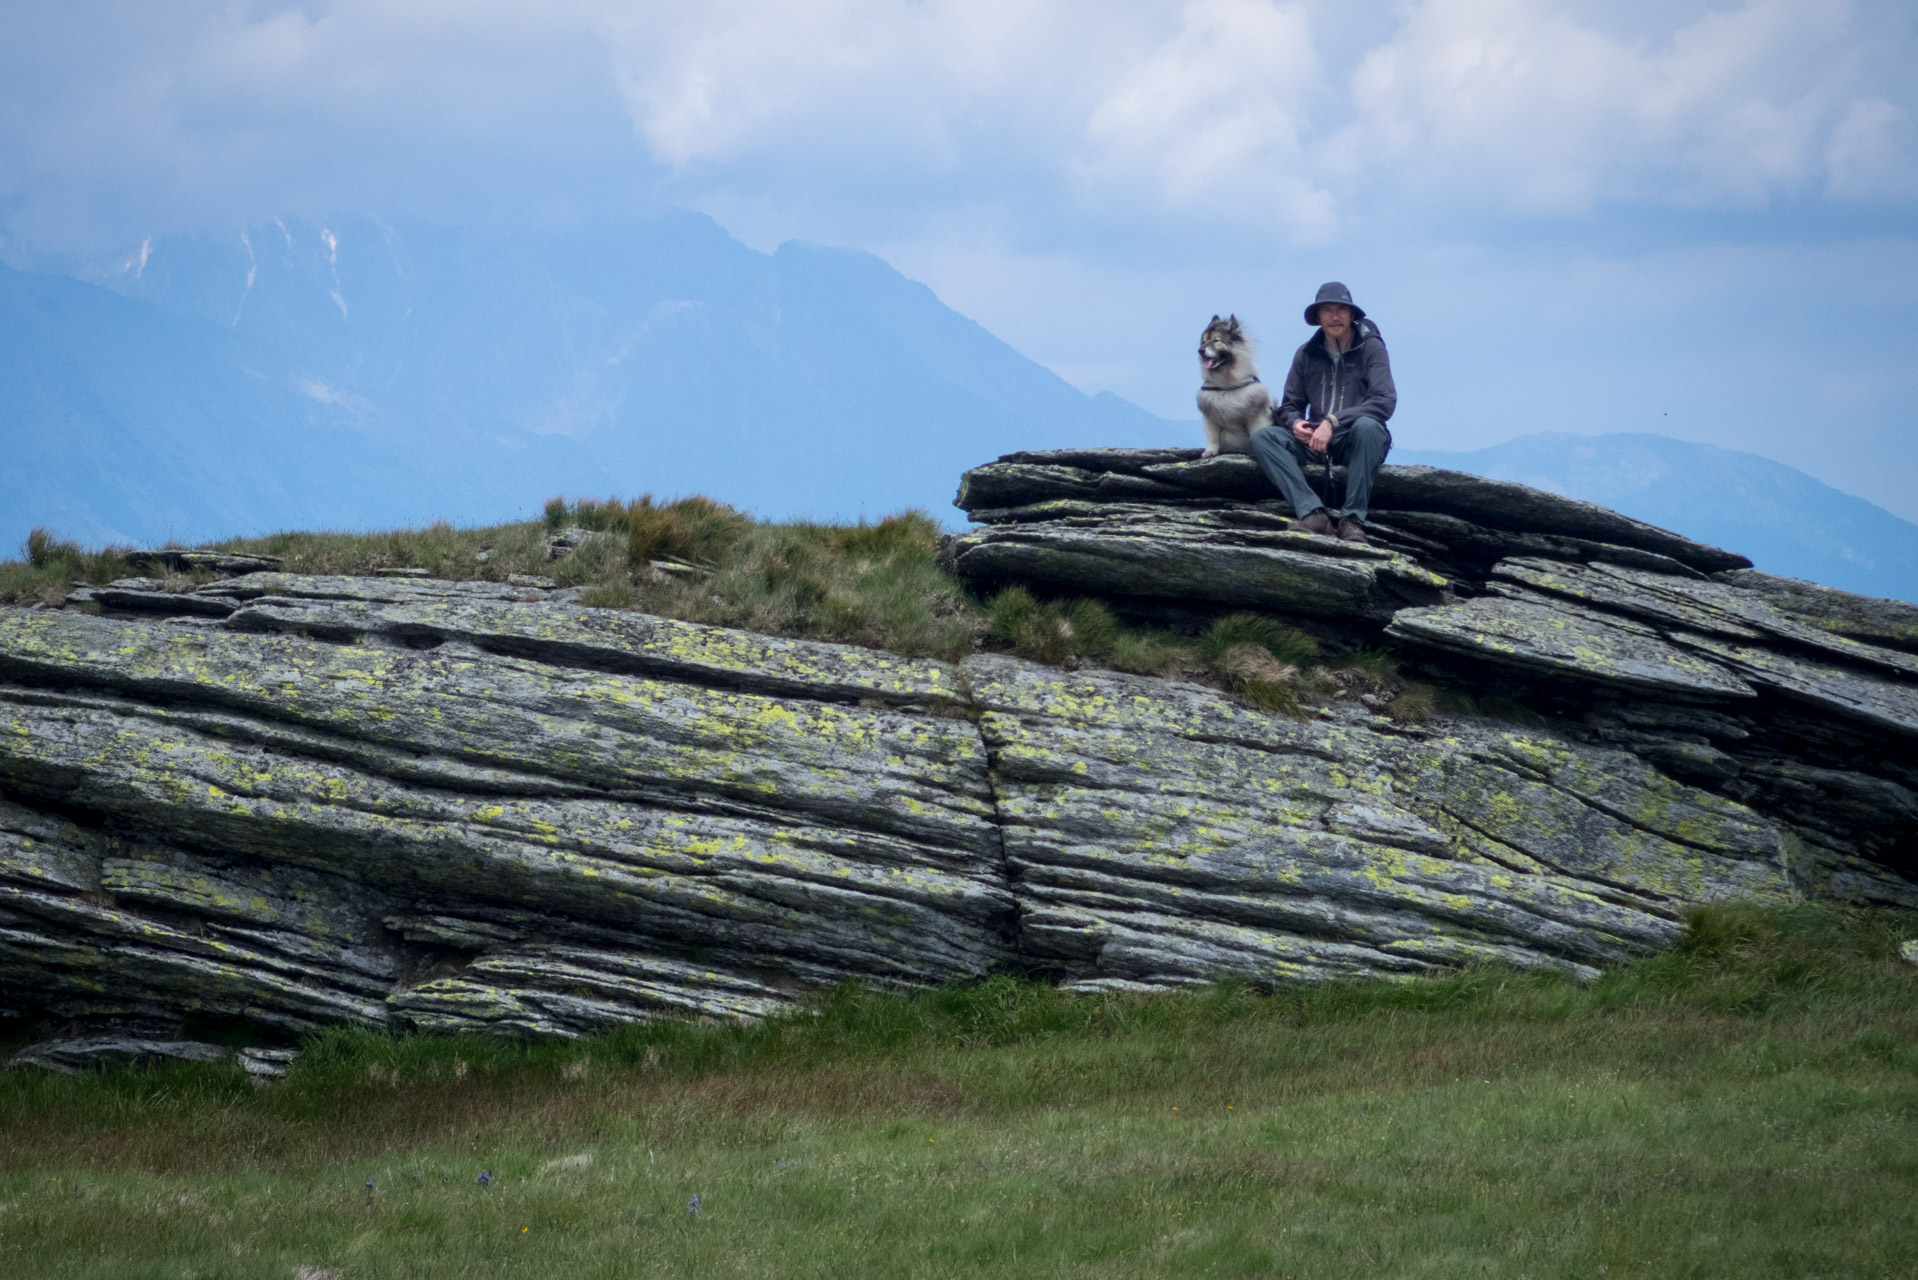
{"x":241,"y":813}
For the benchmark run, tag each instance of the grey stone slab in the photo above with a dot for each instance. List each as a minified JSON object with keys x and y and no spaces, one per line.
{"x":400,"y":589}
{"x":73,"y":1055}
{"x":1495,"y":504}
{"x":1229,"y":475}
{"x":578,"y":990}
{"x":1279,"y":572}
{"x":1126,"y":461}
{"x":164,"y":603}
{"x":1157,"y":838}
{"x":1714,"y":608}
{"x":1843,"y":692}
{"x":1562,"y":640}
{"x":1649,"y":602}
{"x":620,"y":640}
{"x":1016,"y":484}
{"x":1473,"y":542}
{"x":41,"y":851}
{"x":1892,"y":623}
{"x":182,"y":560}
{"x":266,"y":1063}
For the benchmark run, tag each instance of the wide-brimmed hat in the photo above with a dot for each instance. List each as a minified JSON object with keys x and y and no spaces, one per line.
{"x":1332,"y":292}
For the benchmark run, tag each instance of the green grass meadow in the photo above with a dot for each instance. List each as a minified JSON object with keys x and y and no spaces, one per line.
{"x":1746,"y":1106}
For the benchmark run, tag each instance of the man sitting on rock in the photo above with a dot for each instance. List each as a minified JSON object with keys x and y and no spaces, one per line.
{"x":1338,"y":395}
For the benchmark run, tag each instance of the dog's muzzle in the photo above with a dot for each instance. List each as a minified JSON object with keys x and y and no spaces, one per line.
{"x":1211,"y":359}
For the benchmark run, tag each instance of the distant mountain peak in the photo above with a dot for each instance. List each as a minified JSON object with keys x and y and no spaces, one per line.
{"x":352,"y":372}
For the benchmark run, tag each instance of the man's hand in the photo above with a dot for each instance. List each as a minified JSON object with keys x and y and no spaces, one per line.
{"x":1318,"y":439}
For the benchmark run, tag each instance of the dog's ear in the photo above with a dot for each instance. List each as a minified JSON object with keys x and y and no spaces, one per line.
{"x":1215,"y":318}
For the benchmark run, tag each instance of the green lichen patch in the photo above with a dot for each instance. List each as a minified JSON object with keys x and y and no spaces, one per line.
{"x":1570,"y":642}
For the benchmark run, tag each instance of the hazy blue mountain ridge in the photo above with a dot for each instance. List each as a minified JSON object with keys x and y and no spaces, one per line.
{"x":1787,"y":522}
{"x":658,"y":355}
{"x":122,"y":424}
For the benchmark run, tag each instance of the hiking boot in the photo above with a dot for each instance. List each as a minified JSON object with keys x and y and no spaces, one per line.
{"x":1351,"y":529}
{"x":1315,"y":521}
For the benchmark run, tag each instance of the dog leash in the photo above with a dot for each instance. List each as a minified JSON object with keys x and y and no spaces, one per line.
{"x":1242,"y":386}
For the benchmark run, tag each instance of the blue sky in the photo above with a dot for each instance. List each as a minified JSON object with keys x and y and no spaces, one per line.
{"x":1695,"y":219}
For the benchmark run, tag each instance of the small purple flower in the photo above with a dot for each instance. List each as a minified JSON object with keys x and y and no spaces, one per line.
{"x":692,"y":1206}
{"x":369,"y":1186}
{"x":485,"y":1179}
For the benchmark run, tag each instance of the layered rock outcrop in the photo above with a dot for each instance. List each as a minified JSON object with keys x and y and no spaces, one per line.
{"x":244,"y":812}
{"x":1797,"y":700}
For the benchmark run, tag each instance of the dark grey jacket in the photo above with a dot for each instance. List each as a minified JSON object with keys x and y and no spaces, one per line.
{"x":1359,"y":385}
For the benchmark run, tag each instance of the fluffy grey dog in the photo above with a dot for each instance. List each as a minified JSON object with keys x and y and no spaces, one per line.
{"x":1232,"y":400}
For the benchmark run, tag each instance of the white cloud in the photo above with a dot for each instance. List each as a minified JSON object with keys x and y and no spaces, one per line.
{"x":1518,"y":106}
{"x":1229,"y":117}
{"x":854,"y":120}
{"x":1069,"y":105}
{"x":925,"y":85}
{"x":1212,"y":123}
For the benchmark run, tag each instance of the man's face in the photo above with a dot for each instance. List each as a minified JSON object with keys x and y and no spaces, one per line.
{"x":1336,"y":319}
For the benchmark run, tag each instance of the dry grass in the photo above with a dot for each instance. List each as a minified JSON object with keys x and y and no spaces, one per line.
{"x":696,"y":529}
{"x":49,"y":567}
{"x":877,"y":585}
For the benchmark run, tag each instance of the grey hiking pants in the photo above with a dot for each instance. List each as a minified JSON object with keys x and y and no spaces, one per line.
{"x":1361,"y":445}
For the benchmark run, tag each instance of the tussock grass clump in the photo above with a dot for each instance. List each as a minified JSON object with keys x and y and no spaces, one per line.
{"x":1745,"y":1104}
{"x":1080,"y":631}
{"x":1287,"y":645}
{"x":49,"y":566}
{"x":1150,"y":652}
{"x":1050,"y":631}
{"x":1278,"y":667}
{"x":1371,"y":667}
{"x":609,"y":515}
{"x":1260,"y":658}
{"x":696,"y":529}
{"x":878,"y":585}
{"x":1414,"y":704}
{"x":1262,"y":680}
